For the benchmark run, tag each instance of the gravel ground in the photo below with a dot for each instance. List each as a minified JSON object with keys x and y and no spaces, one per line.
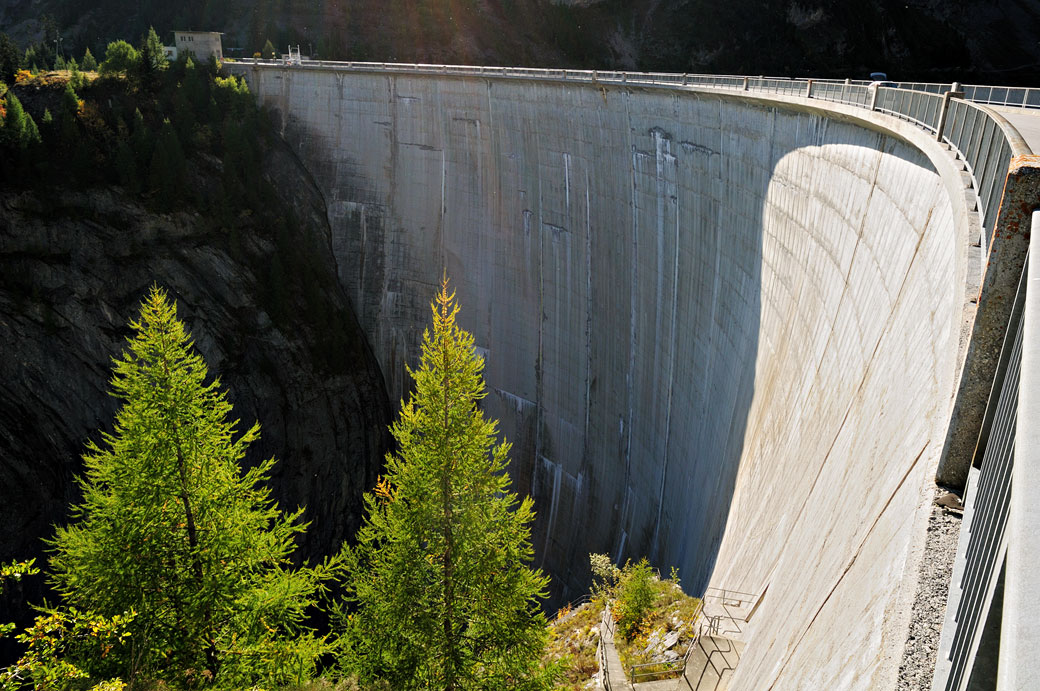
{"x":929,"y":609}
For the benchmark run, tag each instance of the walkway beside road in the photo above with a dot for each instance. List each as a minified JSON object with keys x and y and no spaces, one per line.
{"x":1026,"y":121}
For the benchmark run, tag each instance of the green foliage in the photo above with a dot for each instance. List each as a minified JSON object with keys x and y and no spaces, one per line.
{"x":172,"y":527}
{"x":59,"y":63}
{"x":14,"y":571}
{"x":120,"y":58}
{"x":152,"y":59}
{"x":63,"y":646}
{"x":574,"y":642}
{"x":268,"y":50}
{"x":634,"y":597}
{"x":440,"y":593}
{"x":69,"y":101}
{"x":89,"y":64}
{"x":77,"y":79}
{"x":19,"y":130}
{"x":10,"y":58}
{"x":672,"y":612}
{"x":605,"y":574}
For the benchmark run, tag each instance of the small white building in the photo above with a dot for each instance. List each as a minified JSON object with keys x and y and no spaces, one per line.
{"x":201,"y":44}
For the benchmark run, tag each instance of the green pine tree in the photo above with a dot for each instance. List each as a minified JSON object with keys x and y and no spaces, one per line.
{"x":89,"y":63}
{"x":173,"y":528}
{"x":152,"y":57}
{"x":440,"y":593}
{"x":10,"y":58}
{"x":268,"y":52}
{"x":20,"y":130}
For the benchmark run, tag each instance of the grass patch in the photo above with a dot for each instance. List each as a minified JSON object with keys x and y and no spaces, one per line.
{"x":573,"y":641}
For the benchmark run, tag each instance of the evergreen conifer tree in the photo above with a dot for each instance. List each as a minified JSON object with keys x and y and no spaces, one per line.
{"x":173,"y":528}
{"x":440,"y":593}
{"x":89,"y":62}
{"x":10,"y":58}
{"x":152,"y":57}
{"x":20,"y":129}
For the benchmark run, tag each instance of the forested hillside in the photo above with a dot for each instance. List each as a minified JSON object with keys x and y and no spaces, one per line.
{"x":993,"y":41}
{"x":152,"y":174}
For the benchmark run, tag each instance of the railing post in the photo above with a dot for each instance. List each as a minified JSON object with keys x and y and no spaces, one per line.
{"x":954,"y":92}
{"x":873,"y":97}
{"x":746,"y":83}
{"x":808,"y":89}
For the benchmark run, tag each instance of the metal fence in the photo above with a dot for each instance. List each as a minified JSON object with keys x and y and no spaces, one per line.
{"x":983,"y":543}
{"x":1020,"y":624}
{"x":1018,"y":97}
{"x":986,"y":151}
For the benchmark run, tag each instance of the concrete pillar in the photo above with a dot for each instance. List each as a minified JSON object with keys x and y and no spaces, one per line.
{"x":954,"y":92}
{"x":1007,"y":252}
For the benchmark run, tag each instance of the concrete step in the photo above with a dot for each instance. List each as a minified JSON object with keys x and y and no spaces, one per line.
{"x":662,"y":685}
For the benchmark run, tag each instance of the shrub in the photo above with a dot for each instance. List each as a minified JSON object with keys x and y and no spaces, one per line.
{"x":635,"y":597}
{"x":120,"y":58}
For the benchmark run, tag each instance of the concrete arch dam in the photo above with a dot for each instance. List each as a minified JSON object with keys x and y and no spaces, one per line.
{"x":721,"y":331}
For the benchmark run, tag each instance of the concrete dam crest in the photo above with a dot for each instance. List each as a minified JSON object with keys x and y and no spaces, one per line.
{"x":721,"y":331}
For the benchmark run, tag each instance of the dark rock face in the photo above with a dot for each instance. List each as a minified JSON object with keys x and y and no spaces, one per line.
{"x":266,"y":313}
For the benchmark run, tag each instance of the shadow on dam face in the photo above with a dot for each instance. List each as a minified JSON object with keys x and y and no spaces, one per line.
{"x":719,"y":333}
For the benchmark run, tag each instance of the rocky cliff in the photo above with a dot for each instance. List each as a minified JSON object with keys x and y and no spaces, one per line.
{"x":265,"y":310}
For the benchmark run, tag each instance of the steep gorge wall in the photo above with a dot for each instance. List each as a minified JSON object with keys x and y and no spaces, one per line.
{"x":720,"y":332}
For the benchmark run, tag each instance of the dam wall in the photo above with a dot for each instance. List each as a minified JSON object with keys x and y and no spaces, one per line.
{"x":721,"y":331}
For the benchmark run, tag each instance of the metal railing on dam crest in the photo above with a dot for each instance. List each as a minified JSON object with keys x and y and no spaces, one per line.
{"x":1001,"y":193}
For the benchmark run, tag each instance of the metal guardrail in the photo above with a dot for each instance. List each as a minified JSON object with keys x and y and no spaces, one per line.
{"x":987,"y":154}
{"x":1020,"y":625}
{"x":569,"y":608}
{"x":607,"y":621}
{"x":1017,"y":97}
{"x":983,"y":544}
{"x":980,"y":140}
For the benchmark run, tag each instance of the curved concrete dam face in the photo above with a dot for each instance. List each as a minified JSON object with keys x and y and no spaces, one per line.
{"x":720,"y":332}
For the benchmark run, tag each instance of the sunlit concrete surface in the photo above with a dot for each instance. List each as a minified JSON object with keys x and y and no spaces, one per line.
{"x":720,"y":331}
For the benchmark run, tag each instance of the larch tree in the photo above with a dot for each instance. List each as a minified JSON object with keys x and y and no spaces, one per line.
{"x":440,"y":592}
{"x":173,"y":529}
